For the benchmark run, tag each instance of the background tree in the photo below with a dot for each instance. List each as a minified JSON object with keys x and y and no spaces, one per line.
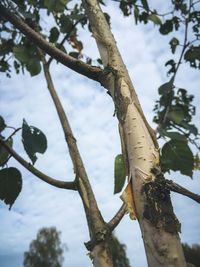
{"x":46,"y":250}
{"x":118,"y":251}
{"x":192,"y":254}
{"x":147,"y":189}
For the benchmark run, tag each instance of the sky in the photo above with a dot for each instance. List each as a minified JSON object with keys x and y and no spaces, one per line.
{"x":90,"y":111}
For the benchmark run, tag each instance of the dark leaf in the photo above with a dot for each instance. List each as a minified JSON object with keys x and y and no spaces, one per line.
{"x":176,"y":114}
{"x":175,"y":136}
{"x":173,"y":43}
{"x":166,"y":27}
{"x":33,"y":140}
{"x":10,"y":185}
{"x":55,"y":5}
{"x":165,"y":88}
{"x":177,"y":156}
{"x":3,"y":152}
{"x":119,"y":173}
{"x":74,"y":54}
{"x":54,"y":34}
{"x":136,"y":14}
{"x":145,"y":4}
{"x":2,"y":124}
{"x":172,"y":65}
{"x":33,"y":66}
{"x":192,"y":55}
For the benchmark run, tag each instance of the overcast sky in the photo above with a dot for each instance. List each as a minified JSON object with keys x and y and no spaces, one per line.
{"x":90,"y":112}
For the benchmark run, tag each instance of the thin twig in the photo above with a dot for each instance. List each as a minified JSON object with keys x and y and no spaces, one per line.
{"x":15,"y":131}
{"x":92,"y":72}
{"x":36,"y":172}
{"x":172,"y":186}
{"x":117,"y":218}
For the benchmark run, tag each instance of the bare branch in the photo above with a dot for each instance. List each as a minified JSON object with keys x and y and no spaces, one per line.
{"x":172,"y":186}
{"x":79,"y":66}
{"x":36,"y":172}
{"x":117,"y":218}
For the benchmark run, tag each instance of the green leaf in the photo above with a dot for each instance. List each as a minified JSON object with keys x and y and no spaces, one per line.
{"x":173,"y":43}
{"x":156,"y":20}
{"x":66,"y":24}
{"x":177,"y":115}
{"x":33,"y":66}
{"x":119,"y":173}
{"x":176,"y":136}
{"x":192,"y":55}
{"x":55,"y":5}
{"x":166,"y":27}
{"x":4,"y":153}
{"x":33,"y":140}
{"x":145,"y":4}
{"x":10,"y":185}
{"x":165,"y":88}
{"x":177,"y":156}
{"x":2,"y":124}
{"x":190,"y":127}
{"x":136,"y":14}
{"x":20,"y":52}
{"x":54,"y":34}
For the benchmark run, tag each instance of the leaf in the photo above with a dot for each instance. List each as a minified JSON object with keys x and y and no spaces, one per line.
{"x":155,"y":19}
{"x":145,"y":4}
{"x":74,"y":54}
{"x":55,"y":5}
{"x":33,"y":66}
{"x":165,"y":88}
{"x":4,"y":153}
{"x":119,"y":173}
{"x":33,"y":140}
{"x":177,"y":156}
{"x":192,"y":55}
{"x":166,"y":27}
{"x":172,"y":65}
{"x":2,"y":124}
{"x":176,"y":114}
{"x":175,"y":136}
{"x":173,"y":43}
{"x":136,"y":14}
{"x":54,"y":34}
{"x":10,"y":185}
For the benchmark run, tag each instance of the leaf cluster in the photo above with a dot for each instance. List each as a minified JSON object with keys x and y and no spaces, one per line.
{"x":34,"y":141}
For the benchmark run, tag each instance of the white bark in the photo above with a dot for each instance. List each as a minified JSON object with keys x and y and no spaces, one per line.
{"x":163,"y":248}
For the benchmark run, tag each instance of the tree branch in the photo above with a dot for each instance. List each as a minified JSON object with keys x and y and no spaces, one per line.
{"x":93,"y":214}
{"x":172,"y":186}
{"x":78,"y":66}
{"x":117,"y":218}
{"x":36,"y":172}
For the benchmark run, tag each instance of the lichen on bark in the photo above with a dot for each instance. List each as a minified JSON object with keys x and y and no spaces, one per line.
{"x":158,"y":208}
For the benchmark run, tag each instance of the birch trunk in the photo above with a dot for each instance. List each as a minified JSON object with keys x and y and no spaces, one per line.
{"x":153,"y":208}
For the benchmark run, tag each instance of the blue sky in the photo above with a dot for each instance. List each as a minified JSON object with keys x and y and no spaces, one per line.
{"x":90,"y":112}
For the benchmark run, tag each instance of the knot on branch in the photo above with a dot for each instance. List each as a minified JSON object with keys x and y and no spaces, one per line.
{"x":100,"y":236}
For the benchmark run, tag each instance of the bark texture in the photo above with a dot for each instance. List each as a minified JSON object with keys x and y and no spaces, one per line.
{"x":154,"y":211}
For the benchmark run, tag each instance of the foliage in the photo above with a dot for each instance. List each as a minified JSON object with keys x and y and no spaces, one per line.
{"x":118,"y":251}
{"x":192,"y":254}
{"x":119,"y":173}
{"x":46,"y":250}
{"x":174,"y":110}
{"x":34,"y":141}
